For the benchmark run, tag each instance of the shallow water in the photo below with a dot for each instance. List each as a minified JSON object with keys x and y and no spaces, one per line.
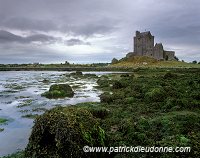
{"x":20,"y":94}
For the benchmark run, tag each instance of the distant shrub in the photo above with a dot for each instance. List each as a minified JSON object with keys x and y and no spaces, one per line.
{"x":114,"y":61}
{"x":194,"y":62}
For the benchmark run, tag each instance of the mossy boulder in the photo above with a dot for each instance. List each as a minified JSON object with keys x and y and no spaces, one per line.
{"x":117,"y":85}
{"x":59,"y":91}
{"x":106,"y":97}
{"x":103,"y":83}
{"x":63,"y":132}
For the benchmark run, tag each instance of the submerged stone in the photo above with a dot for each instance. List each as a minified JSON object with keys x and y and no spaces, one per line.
{"x":59,"y":91}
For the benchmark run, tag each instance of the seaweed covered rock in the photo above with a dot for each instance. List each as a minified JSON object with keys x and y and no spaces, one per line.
{"x":77,"y":73}
{"x":117,"y":85}
{"x":45,"y":81}
{"x":124,"y":75}
{"x":106,"y":97}
{"x":63,"y":132}
{"x":103,"y":83}
{"x":155,"y":94}
{"x":91,"y":75}
{"x":59,"y":91}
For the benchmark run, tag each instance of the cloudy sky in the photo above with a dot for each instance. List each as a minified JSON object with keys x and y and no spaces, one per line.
{"x":87,"y":31}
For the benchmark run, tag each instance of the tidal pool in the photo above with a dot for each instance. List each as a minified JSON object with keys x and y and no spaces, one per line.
{"x":20,"y":96}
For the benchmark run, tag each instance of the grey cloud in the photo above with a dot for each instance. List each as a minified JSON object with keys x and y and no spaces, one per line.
{"x":74,"y":41}
{"x":101,"y":26}
{"x":32,"y":24}
{"x":174,"y":23}
{"x":7,"y":37}
{"x":91,"y":29}
{"x":41,"y":38}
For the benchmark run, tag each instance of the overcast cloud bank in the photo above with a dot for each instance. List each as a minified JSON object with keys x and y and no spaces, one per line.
{"x":54,"y":31}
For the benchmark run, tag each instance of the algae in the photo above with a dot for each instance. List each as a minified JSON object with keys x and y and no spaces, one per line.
{"x":62,"y":132}
{"x":155,"y":107}
{"x":59,"y":91}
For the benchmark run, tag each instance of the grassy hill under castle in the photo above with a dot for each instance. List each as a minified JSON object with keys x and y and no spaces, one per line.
{"x":144,"y":61}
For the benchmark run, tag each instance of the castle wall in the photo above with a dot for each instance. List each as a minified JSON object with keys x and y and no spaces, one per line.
{"x":158,"y":52}
{"x":144,"y":46}
{"x":169,"y":55}
{"x":149,"y":44}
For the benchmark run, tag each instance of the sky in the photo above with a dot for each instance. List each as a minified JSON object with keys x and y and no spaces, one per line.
{"x":93,"y":31}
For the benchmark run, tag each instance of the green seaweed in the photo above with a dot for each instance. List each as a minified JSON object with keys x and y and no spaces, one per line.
{"x":3,"y":121}
{"x":63,"y":131}
{"x":30,"y":116}
{"x":155,"y":107}
{"x":25,"y":103}
{"x":59,"y":91}
{"x":19,"y":154}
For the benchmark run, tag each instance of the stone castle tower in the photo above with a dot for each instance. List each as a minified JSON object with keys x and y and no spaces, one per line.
{"x":144,"y":46}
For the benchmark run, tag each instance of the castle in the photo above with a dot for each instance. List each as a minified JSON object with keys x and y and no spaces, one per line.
{"x":144,"y":46}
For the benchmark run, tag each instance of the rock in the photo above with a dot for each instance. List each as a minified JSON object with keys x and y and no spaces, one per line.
{"x":103,"y":83}
{"x":59,"y":91}
{"x":78,"y":73}
{"x":117,"y":85}
{"x":106,"y":98}
{"x":45,"y":81}
{"x":91,"y":75}
{"x":124,"y":75}
{"x":63,"y":132}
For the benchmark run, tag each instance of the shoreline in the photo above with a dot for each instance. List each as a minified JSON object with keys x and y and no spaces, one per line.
{"x":88,"y":68}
